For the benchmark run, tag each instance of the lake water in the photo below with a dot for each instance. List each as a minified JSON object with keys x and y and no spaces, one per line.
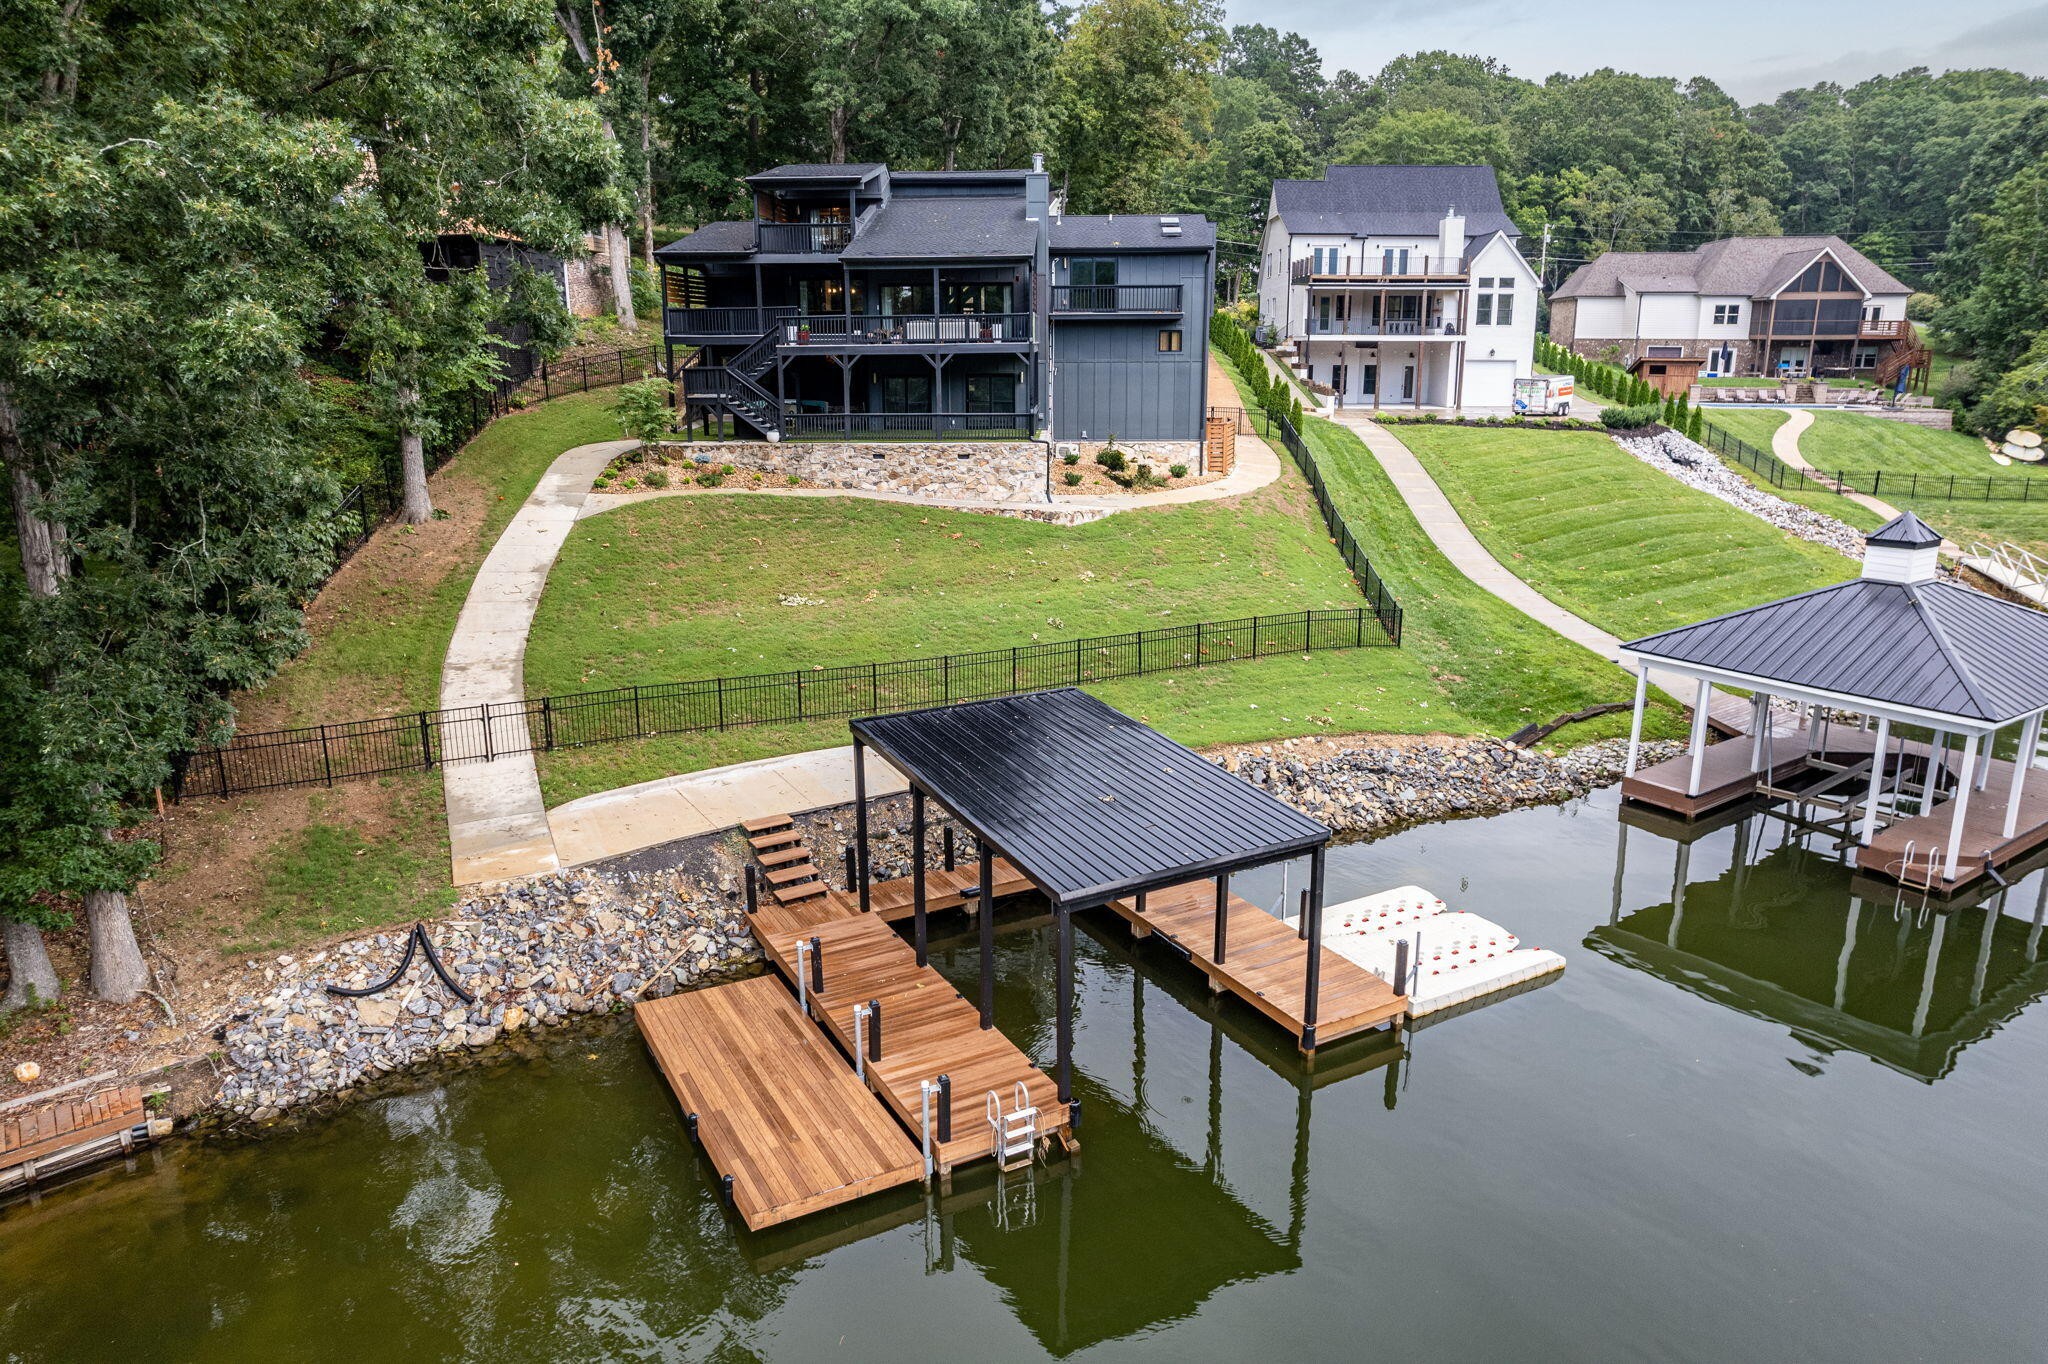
{"x":1730,"y":1131}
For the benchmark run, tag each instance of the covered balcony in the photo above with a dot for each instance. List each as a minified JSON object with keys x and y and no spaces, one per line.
{"x":1116,"y":300}
{"x":1339,"y":266}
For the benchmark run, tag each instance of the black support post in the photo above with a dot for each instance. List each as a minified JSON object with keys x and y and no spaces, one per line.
{"x":1312,"y":984}
{"x":952,"y":858}
{"x":817,"y":967}
{"x":1222,"y":914}
{"x":917,"y":895}
{"x":1064,"y":1045}
{"x":988,"y":933}
{"x":860,"y":818}
{"x":753,"y":889}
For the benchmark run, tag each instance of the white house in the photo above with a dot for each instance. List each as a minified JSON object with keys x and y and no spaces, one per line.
{"x":1742,"y":305}
{"x":1399,"y":285}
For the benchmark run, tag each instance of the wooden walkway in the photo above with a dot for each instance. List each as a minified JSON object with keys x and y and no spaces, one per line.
{"x":1725,"y":776}
{"x":1264,"y":961}
{"x":944,"y":890}
{"x":778,"y":1110}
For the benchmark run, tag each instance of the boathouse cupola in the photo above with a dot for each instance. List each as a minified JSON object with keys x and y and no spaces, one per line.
{"x":1902,"y":550}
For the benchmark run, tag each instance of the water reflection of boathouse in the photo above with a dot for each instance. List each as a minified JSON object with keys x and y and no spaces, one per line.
{"x":1846,"y":963}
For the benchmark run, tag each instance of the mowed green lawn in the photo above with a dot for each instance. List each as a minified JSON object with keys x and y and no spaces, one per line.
{"x":696,"y":587}
{"x":1758,"y":428}
{"x":1850,"y":440}
{"x":1609,"y":538}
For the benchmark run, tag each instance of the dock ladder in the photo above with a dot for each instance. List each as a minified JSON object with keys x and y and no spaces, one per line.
{"x":1014,"y":1133}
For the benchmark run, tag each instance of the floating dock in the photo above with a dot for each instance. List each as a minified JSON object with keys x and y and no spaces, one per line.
{"x":1451,"y":957}
{"x":808,"y":1088}
{"x":1264,"y":961}
{"x":56,"y":1132}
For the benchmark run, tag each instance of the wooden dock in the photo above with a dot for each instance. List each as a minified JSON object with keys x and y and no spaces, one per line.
{"x":1904,"y":849}
{"x":778,"y":1110}
{"x":1264,"y":961}
{"x":56,"y":1132}
{"x":1726,"y":778}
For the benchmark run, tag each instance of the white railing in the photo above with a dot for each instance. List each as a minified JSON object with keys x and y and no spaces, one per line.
{"x":2011,"y":566}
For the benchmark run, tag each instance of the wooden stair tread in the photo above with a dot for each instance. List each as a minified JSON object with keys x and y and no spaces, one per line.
{"x":782,"y":857}
{"x":762,"y":842}
{"x":801,"y":871}
{"x":766,"y":824}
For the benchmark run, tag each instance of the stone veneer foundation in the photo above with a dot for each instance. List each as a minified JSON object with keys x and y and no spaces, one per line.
{"x":998,"y":471}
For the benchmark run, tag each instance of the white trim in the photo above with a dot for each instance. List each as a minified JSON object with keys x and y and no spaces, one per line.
{"x":2030,"y":738}
{"x":1840,"y":264}
{"x":1964,"y":773}
{"x":1635,"y":729}
{"x":1912,"y":715}
{"x":1881,"y":755}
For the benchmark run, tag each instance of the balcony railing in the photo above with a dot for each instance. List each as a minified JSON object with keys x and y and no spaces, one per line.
{"x":804,"y":239}
{"x":1876,"y":329}
{"x":1363,"y":326}
{"x":1380,"y":265}
{"x":1116,"y":298}
{"x":876,"y":425}
{"x":734,"y":322}
{"x":900,"y":329}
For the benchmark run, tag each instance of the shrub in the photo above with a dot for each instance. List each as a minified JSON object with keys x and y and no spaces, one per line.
{"x":1110,"y":458}
{"x":1071,"y":457}
{"x":795,"y":480}
{"x":1696,"y":425}
{"x":1632,"y":418}
{"x":1073,"y":478}
{"x":1177,"y":470}
{"x":657,"y":478}
{"x":709,"y":477}
{"x":629,"y":482}
{"x":643,"y":412}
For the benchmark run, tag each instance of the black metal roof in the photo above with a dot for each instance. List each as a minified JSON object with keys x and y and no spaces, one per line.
{"x":944,"y":229}
{"x":1930,"y":646}
{"x":1904,"y":531}
{"x":1131,"y":232}
{"x":1087,"y":802}
{"x":849,"y":172}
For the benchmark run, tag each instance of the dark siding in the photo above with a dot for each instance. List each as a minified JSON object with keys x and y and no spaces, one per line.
{"x":1112,"y":378}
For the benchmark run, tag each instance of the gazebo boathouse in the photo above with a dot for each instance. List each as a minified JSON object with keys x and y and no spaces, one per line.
{"x":1943,"y":687}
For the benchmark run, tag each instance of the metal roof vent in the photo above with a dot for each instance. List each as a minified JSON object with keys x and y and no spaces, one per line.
{"x":1169,"y":227}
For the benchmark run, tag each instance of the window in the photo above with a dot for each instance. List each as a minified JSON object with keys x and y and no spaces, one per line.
{"x":991,"y":393}
{"x":1483,"y":312}
{"x":1503,"y":309}
{"x":1486,"y":281}
{"x":1866,"y":359}
{"x":1727,"y":314}
{"x":1099,"y":270}
{"x":906,"y":393}
{"x":1169,"y":340}
{"x":1494,"y":310}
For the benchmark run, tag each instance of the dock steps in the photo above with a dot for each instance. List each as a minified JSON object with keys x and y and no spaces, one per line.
{"x":779,"y":1113}
{"x":1014,"y":1132}
{"x":782,"y":857}
{"x":803,"y":890}
{"x":793,"y":874}
{"x":781,"y":839}
{"x":767,"y":824}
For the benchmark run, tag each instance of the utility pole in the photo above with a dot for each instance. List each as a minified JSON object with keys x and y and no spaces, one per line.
{"x":1543,"y":259}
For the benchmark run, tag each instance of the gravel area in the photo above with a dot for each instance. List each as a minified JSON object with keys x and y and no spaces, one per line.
{"x":1698,"y":467}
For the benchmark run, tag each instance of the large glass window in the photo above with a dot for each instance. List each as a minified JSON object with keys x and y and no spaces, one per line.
{"x":906,"y":393}
{"x":991,"y":393}
{"x":1092,"y":270}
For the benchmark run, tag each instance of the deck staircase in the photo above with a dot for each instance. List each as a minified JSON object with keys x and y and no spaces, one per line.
{"x":786,"y":865}
{"x":737,"y":385}
{"x":1906,"y":349}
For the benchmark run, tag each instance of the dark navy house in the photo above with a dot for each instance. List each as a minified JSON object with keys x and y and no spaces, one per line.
{"x":861,"y":301}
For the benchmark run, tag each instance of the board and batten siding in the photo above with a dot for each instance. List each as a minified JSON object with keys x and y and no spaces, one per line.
{"x":1111,"y":378}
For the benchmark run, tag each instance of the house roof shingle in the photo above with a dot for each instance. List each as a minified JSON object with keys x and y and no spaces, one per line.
{"x":1393,"y":201}
{"x":712,"y":239}
{"x":1130,"y":232}
{"x":1742,"y":267}
{"x":941,"y":229}
{"x":851,"y":172}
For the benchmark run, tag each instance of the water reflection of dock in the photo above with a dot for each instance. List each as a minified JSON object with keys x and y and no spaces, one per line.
{"x":1908,"y":986}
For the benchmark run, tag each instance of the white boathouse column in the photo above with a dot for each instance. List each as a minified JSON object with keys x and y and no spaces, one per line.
{"x":1964,"y":773}
{"x":1759,"y":726}
{"x":1635,"y":728}
{"x":1884,"y":738}
{"x":1701,"y":700}
{"x":1937,"y":763}
{"x":2030,"y":738}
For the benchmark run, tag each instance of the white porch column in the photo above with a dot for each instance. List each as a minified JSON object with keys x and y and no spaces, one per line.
{"x":1759,"y":721}
{"x":1884,"y":738}
{"x":2030,"y":736}
{"x":1701,"y":699}
{"x":1937,"y":762}
{"x":1635,"y":728}
{"x":1964,"y":773}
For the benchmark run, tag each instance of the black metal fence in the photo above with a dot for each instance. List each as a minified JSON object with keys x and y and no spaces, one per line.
{"x":1381,"y":597}
{"x":1897,"y":484}
{"x":324,"y":754}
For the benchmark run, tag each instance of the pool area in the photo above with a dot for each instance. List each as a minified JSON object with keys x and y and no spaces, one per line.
{"x":1767,"y":1111}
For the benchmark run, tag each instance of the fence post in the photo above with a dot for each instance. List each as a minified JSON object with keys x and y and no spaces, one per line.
{"x":874,"y":688}
{"x":585,"y":363}
{"x":1876,"y":482}
{"x":1256,"y":622}
{"x":1077,"y":662}
{"x":547,"y":724}
{"x":326,"y":758}
{"x":1013,"y":667}
{"x":1360,"y":642}
{"x":946,"y":677}
{"x":1198,"y":644}
{"x":490,"y":745}
{"x":220,"y":769}
{"x":426,"y":745}
{"x":721,"y":703}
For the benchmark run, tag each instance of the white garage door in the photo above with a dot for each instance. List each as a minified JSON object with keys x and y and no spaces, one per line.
{"x":1489,"y":383}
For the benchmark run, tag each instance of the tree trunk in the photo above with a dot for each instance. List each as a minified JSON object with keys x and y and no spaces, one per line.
{"x":836,"y":122}
{"x":646,"y":162}
{"x":44,"y":561}
{"x":622,"y":274}
{"x":118,"y":973}
{"x":31,"y":979}
{"x":418,"y":506}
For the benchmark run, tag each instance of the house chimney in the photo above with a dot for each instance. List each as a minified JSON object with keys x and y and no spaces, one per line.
{"x":1450,"y":236}
{"x":1902,"y":550}
{"x":1038,"y":163}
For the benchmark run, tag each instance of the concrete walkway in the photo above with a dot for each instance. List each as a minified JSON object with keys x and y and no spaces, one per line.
{"x":499,"y":825}
{"x":1449,"y":533}
{"x":1785,"y":445}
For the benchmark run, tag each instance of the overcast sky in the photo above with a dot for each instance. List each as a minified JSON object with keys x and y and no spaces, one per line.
{"x":1752,"y":48}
